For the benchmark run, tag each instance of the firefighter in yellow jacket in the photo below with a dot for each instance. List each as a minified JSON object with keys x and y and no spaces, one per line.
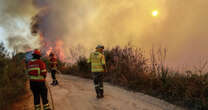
{"x":98,"y":67}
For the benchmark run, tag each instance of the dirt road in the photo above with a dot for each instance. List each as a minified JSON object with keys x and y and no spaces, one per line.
{"x":75,"y":93}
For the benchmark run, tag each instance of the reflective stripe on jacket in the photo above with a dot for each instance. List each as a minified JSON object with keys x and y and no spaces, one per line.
{"x":97,"y":61}
{"x":36,"y":70}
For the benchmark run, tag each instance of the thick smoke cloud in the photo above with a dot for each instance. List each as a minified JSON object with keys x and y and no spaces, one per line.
{"x":50,"y":21}
{"x":18,"y":43}
{"x":180,"y":26}
{"x":15,"y":20}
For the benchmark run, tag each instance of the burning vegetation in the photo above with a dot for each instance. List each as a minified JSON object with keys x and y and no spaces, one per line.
{"x":43,"y":27}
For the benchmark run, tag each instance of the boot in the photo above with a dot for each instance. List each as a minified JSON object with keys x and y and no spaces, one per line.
{"x":101,"y":96}
{"x":101,"y":93}
{"x":46,"y":107}
{"x":56,"y":82}
{"x":98,"y":92}
{"x":37,"y":107}
{"x":98,"y":96}
{"x":53,"y":83}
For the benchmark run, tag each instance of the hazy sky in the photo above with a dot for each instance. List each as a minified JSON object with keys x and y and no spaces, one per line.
{"x":1,"y":34}
{"x":181,"y":25}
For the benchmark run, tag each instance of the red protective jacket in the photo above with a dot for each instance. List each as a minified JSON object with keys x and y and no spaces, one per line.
{"x":37,"y":70}
{"x":53,"y":63}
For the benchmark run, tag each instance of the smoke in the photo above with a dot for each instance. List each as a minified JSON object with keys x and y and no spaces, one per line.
{"x":183,"y":31}
{"x":180,"y":25}
{"x":50,"y":22}
{"x":15,"y":22}
{"x":18,"y":43}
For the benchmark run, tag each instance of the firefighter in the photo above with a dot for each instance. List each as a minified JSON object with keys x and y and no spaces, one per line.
{"x":98,"y":67}
{"x":53,"y":68}
{"x":37,"y":73}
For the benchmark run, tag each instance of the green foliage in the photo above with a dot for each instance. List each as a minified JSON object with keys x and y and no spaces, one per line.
{"x":12,"y":77}
{"x":129,"y":68}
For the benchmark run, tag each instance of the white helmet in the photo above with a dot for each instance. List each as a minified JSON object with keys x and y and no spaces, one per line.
{"x":100,"y":47}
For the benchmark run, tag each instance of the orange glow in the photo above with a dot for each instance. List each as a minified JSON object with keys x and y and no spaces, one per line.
{"x":49,"y":51}
{"x":57,"y":47}
{"x":59,"y":50}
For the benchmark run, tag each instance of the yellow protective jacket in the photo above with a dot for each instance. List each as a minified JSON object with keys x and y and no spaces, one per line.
{"x":97,"y":61}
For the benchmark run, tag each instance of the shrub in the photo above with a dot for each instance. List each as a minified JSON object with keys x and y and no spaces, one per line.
{"x":12,"y":78}
{"x":129,"y":68}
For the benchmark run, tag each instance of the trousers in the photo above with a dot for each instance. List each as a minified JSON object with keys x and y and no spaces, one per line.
{"x":53,"y":74}
{"x":98,"y":82}
{"x":39,"y":91}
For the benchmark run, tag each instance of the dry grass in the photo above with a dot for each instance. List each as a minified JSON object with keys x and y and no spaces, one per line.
{"x":129,"y":68}
{"x":12,"y":78}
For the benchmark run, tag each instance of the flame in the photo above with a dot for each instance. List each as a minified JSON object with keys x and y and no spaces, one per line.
{"x":56,"y":47}
{"x":59,"y":50}
{"x":49,"y":51}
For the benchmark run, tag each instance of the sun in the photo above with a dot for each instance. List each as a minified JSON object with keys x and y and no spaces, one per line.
{"x":155,"y":13}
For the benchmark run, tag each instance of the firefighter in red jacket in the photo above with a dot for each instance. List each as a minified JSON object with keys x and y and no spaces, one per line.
{"x":53,"y":68}
{"x":37,"y":74}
